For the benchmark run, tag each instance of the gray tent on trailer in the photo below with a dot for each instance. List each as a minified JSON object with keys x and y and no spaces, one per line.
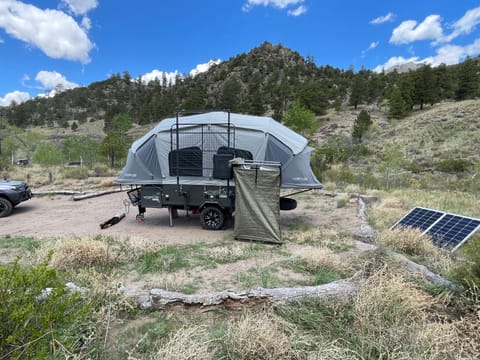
{"x":186,"y":163}
{"x":150,"y":158}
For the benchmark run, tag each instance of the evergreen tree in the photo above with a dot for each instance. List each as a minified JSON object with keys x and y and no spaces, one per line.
{"x":467,"y":80}
{"x":361,"y":125}
{"x":359,"y":90}
{"x":397,"y":104}
{"x":313,"y":96}
{"x":230,"y":98}
{"x":407,"y":90}
{"x":445,"y":84}
{"x":113,"y":147}
{"x":425,"y":87}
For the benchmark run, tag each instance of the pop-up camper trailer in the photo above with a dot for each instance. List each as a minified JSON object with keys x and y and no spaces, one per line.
{"x":185,"y":162}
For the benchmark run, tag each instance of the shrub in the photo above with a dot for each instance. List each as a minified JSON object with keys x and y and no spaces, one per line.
{"x":467,"y":273}
{"x":452,"y":165}
{"x":78,"y":173}
{"x":185,"y":344}
{"x":102,"y":170}
{"x":260,"y":336}
{"x":34,"y":322}
{"x":76,"y":253}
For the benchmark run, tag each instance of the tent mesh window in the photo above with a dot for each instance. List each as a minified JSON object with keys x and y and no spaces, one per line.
{"x":192,"y":147}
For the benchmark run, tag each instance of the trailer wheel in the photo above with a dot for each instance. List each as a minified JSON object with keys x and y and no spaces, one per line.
{"x":212,"y":218}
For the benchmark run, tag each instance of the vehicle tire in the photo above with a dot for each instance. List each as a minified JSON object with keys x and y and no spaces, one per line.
{"x":6,"y":207}
{"x":212,"y":218}
{"x":288,"y":204}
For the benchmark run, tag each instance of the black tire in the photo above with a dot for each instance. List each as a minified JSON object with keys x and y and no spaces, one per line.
{"x":212,"y":218}
{"x":288,"y":204}
{"x":6,"y":207}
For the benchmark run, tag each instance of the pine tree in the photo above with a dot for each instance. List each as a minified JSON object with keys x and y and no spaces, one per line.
{"x":467,"y":80}
{"x":425,"y":91}
{"x":361,"y":125}
{"x":358,"y":91}
{"x":445,"y":84}
{"x":397,"y":104}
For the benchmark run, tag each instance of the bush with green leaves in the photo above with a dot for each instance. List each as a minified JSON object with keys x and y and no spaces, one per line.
{"x":37,"y":312}
{"x":452,"y":165}
{"x":78,"y":173}
{"x":467,"y":273}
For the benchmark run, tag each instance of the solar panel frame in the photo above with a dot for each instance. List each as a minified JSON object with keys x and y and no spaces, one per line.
{"x":440,"y":225}
{"x":414,"y":218}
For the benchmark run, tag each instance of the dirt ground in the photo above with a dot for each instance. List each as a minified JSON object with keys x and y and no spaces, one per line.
{"x":47,"y":217}
{"x":59,"y":216}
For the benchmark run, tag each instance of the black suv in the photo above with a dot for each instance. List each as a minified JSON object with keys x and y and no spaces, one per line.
{"x":12,"y":193}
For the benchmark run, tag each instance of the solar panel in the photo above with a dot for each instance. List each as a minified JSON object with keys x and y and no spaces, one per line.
{"x":446,"y":230}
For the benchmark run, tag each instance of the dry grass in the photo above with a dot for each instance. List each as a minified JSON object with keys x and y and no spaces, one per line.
{"x":413,"y":243}
{"x":407,"y":240}
{"x":137,"y":246}
{"x":330,"y":351}
{"x":260,"y":336}
{"x":385,"y":301}
{"x":382,"y":215}
{"x":188,"y":343}
{"x":322,"y":258}
{"x":323,"y":237}
{"x":393,"y":320}
{"x":228,"y":253}
{"x":79,"y":252}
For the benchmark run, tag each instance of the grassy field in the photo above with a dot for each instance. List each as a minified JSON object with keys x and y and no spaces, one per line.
{"x":396,"y":313}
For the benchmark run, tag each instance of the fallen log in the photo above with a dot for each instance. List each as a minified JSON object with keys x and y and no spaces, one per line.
{"x":57,"y":192}
{"x":159,"y":299}
{"x":412,"y":267}
{"x":95,"y":194}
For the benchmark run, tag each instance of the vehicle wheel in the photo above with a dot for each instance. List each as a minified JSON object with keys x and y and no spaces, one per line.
{"x":5,"y":207}
{"x":212,"y":218}
{"x":288,"y":203}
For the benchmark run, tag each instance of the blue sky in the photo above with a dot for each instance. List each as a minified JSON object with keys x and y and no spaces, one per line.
{"x":44,"y":43}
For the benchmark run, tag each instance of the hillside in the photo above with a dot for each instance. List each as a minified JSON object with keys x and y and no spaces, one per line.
{"x":446,"y":130}
{"x":265,"y":80}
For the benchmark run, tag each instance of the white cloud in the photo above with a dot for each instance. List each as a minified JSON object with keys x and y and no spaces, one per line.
{"x":80,"y":7}
{"x":395,"y":61}
{"x":86,"y":23}
{"x":453,"y":54}
{"x":201,"y":68}
{"x":408,"y":31}
{"x":17,"y":96}
{"x":55,"y":33}
{"x":302,"y":9}
{"x":448,"y":55}
{"x":51,"y":79}
{"x":372,"y":46}
{"x":167,"y":78}
{"x":383,"y":19}
{"x":465,"y":25}
{"x":279,"y":4}
{"x":170,"y":77}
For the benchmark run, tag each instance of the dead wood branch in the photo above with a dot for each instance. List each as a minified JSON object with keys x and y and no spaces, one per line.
{"x":58,"y":192}
{"x":161,"y":299}
{"x":95,"y":194}
{"x":413,"y":267}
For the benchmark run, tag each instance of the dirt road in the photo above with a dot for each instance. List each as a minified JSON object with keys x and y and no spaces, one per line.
{"x":59,"y":215}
